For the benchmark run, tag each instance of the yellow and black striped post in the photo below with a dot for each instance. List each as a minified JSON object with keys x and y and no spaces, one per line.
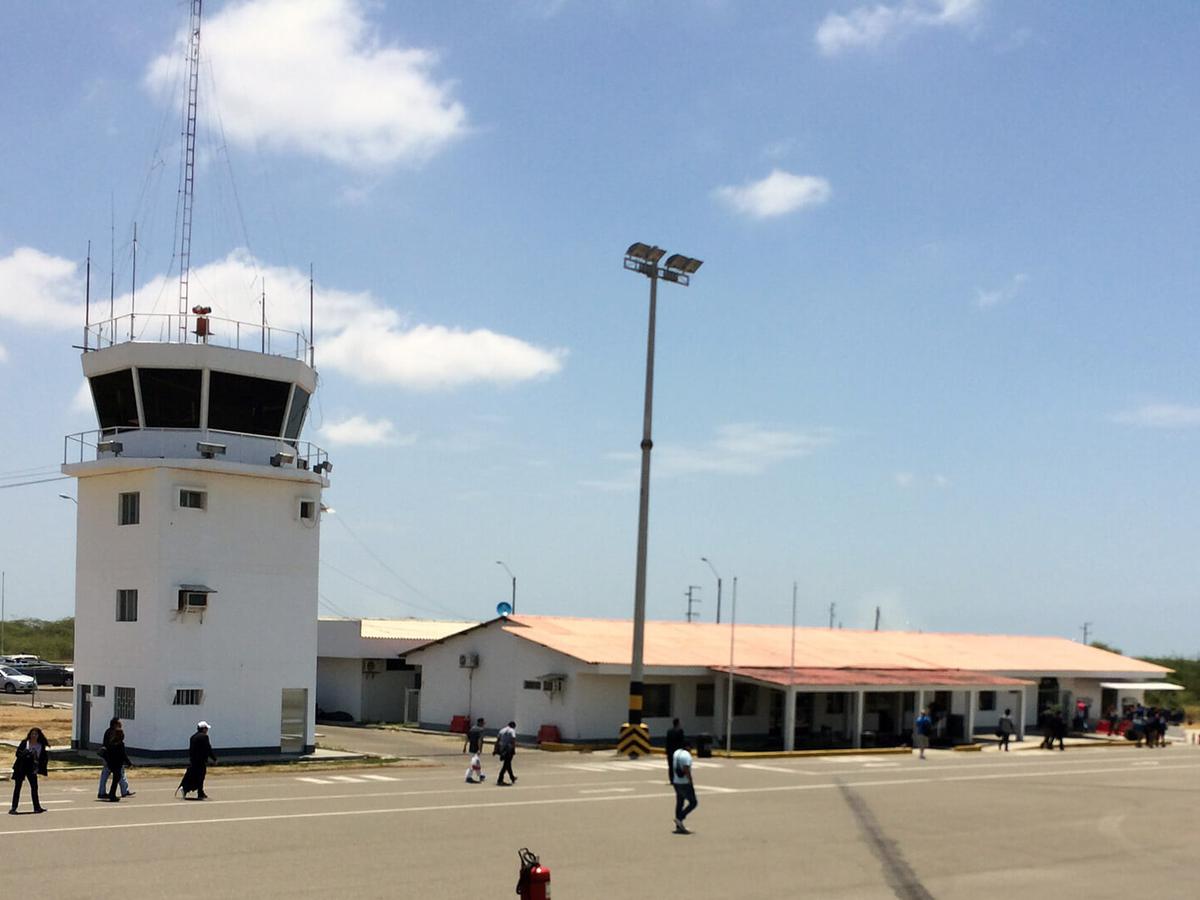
{"x":634,"y":740}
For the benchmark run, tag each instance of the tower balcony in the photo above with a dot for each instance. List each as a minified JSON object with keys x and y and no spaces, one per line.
{"x":197,"y":328}
{"x":181,"y":444}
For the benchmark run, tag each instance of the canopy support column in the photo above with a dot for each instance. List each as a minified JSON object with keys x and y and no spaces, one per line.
{"x":970,"y":718}
{"x":858,"y":718}
{"x":789,"y":718}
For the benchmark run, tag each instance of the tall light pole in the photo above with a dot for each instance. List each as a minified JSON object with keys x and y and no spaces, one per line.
{"x":705,"y":559}
{"x":514,"y":583}
{"x":644,"y":259}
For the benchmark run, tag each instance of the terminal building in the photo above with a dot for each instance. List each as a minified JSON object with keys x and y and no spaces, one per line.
{"x":199,"y":514}
{"x":785,"y":688}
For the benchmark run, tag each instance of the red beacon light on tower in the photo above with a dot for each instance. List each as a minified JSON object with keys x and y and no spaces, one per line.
{"x":202,"y":328}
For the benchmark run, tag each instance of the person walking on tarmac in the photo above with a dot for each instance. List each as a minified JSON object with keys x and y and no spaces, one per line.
{"x":116,"y":759}
{"x":921,"y":729}
{"x":114,"y":725}
{"x":32,"y":756}
{"x":685,"y":788}
{"x":675,"y":740}
{"x":506,"y":746}
{"x":200,"y":752}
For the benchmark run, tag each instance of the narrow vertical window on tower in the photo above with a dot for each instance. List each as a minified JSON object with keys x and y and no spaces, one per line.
{"x":129,"y":508}
{"x":127,"y":603}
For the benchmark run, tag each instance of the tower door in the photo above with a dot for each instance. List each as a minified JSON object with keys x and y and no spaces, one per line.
{"x":83,"y":705}
{"x":293,"y":721}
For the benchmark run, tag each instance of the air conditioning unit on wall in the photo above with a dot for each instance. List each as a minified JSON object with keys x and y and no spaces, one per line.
{"x":468,"y":660}
{"x":371,"y":666}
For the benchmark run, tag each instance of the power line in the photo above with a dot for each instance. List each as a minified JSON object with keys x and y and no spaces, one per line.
{"x":442,"y":610}
{"x":39,"y":481}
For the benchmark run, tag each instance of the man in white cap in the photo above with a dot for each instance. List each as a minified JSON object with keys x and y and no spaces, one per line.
{"x":200,"y":751}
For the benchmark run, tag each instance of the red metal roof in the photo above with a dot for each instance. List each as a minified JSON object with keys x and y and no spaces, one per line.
{"x":696,"y":644}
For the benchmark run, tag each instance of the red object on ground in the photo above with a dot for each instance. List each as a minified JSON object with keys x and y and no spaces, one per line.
{"x":458,"y":725}
{"x":535,"y":883}
{"x":549,"y":734}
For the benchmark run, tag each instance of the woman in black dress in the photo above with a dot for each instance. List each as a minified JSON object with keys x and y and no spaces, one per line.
{"x":32,"y":756}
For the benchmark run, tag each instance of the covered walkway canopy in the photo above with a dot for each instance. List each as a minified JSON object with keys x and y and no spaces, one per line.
{"x":858,"y":682}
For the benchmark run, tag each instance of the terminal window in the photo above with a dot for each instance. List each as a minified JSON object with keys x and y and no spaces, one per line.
{"x":745,"y":699}
{"x":656,"y":701}
{"x":123,"y":702}
{"x":188,"y":697}
{"x":705,"y":695}
{"x":129,"y":508}
{"x":987,"y":700}
{"x":127,"y":602}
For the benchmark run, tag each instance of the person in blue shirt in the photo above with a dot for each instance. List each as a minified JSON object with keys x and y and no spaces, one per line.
{"x":921,"y":731}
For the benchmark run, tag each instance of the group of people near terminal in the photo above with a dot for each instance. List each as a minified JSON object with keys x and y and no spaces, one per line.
{"x":33,"y":755}
{"x":1146,"y":725}
{"x":505,"y":747}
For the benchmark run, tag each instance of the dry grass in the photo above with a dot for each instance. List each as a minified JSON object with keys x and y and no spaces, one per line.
{"x":15,"y":722}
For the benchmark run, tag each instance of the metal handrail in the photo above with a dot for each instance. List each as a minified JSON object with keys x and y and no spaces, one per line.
{"x":84,"y":441}
{"x":188,"y":328}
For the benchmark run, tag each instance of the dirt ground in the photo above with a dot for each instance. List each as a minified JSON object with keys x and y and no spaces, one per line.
{"x":15,"y":722}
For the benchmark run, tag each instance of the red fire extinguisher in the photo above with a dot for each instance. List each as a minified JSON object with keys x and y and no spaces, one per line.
{"x":534,"y":881}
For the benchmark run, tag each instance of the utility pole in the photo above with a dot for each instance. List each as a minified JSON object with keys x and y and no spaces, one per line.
{"x":832,"y":608}
{"x":877,"y":618}
{"x":1086,"y":627}
{"x":691,"y":616}
{"x":2,"y":577}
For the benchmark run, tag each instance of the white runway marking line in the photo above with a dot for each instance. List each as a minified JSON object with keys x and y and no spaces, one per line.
{"x":346,"y":779}
{"x":765,"y":768}
{"x":315,"y":780}
{"x":608,"y":790}
{"x":557,"y":801}
{"x":381,"y":777}
{"x":1146,"y":762}
{"x":880,"y":765}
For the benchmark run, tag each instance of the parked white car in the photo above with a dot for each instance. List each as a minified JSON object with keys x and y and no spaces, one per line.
{"x":13,"y":681}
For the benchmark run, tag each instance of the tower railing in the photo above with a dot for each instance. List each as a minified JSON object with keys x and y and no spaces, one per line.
{"x":194,"y":443}
{"x":192,"y":328}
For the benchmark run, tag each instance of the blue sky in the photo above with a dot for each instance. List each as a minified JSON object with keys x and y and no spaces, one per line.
{"x":940,"y":358}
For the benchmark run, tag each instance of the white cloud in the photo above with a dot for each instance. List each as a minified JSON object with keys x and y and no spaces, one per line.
{"x":3,"y":354}
{"x":433,"y":356}
{"x":40,"y":290}
{"x":356,"y":332}
{"x":736,"y":449}
{"x":1160,"y":415}
{"x":868,"y":27}
{"x":905,"y":479}
{"x":776,"y":195}
{"x":986,"y":299}
{"x":361,"y":431}
{"x":316,"y":78}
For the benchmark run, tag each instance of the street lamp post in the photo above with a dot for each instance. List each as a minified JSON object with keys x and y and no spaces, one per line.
{"x":644,"y":259}
{"x":514,"y":583}
{"x":705,"y":559}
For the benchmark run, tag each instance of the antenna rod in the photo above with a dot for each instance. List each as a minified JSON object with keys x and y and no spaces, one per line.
{"x":312,"y":350}
{"x":112,"y":261}
{"x":87,"y":299}
{"x":189,"y":166}
{"x":133,"y":287}
{"x":877,"y":618}
{"x":264,"y":316}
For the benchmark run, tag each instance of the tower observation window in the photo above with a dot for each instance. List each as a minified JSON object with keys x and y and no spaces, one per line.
{"x":116,"y":406}
{"x":247,"y":405}
{"x":296,"y":416}
{"x":170,"y":397}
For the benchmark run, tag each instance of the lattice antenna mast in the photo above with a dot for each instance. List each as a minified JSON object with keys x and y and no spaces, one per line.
{"x":189,"y":165}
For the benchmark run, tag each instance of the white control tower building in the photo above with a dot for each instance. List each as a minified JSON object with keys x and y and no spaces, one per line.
{"x":198,"y":532}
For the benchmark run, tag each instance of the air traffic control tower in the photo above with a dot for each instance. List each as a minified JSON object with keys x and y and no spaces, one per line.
{"x":199,"y":514}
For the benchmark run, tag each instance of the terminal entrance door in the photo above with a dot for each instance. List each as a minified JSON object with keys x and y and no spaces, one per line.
{"x":293,"y":720}
{"x":83,"y":705}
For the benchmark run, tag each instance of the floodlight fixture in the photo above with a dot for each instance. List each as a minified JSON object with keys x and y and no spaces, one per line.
{"x":685,"y":264}
{"x":208,"y":450}
{"x":645,"y":253}
{"x":113,"y":447}
{"x":282,"y":458}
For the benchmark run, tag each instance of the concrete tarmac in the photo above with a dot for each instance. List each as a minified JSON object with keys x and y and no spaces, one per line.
{"x":1083,"y":824}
